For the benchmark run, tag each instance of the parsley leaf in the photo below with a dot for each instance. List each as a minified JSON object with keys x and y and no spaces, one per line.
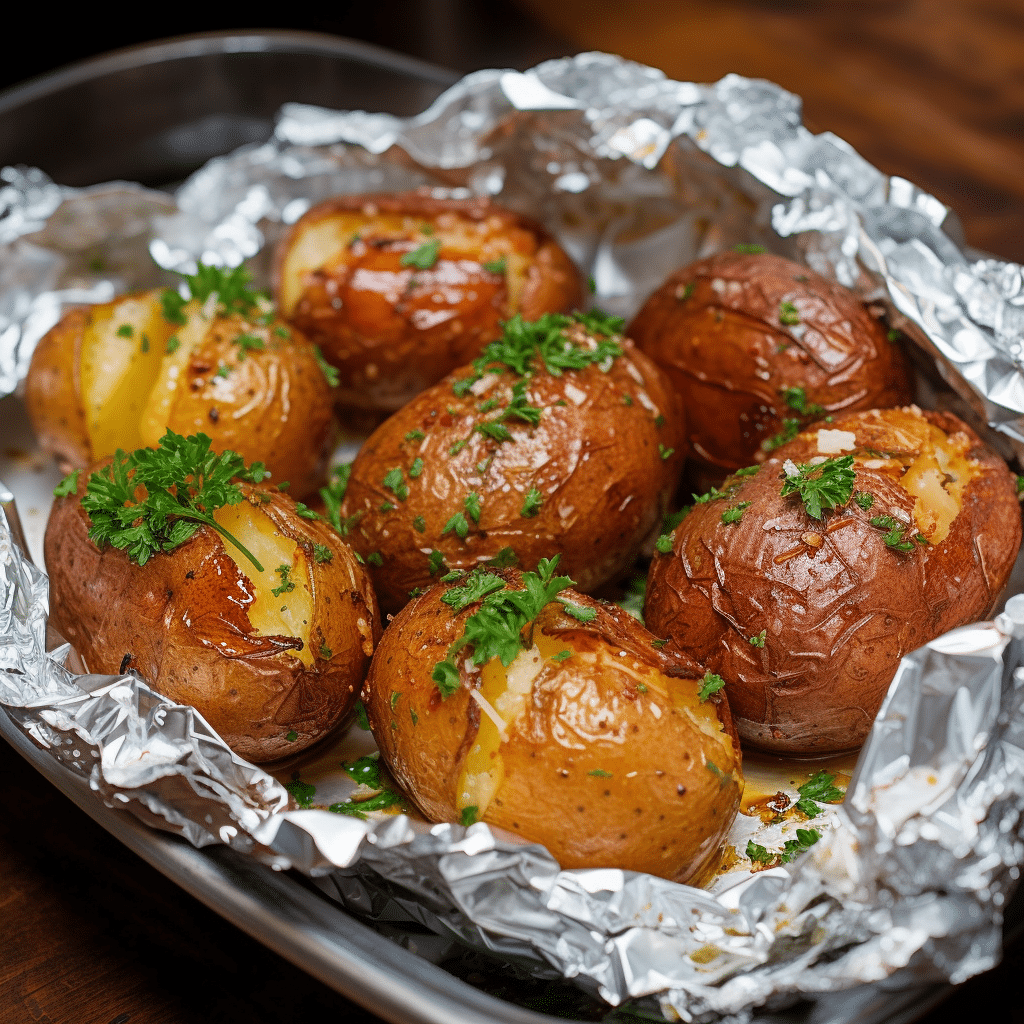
{"x":395,"y":483}
{"x":789,"y":315}
{"x":155,"y":499}
{"x":330,"y":372}
{"x":894,"y":538}
{"x":824,"y":486}
{"x":333,"y":495}
{"x":734,"y":513}
{"x":458,"y":524}
{"x":818,"y":788}
{"x":710,"y":684}
{"x":424,"y":257}
{"x":790,"y":428}
{"x":472,"y":506}
{"x":532,"y":502}
{"x":496,"y":266}
{"x":68,"y":485}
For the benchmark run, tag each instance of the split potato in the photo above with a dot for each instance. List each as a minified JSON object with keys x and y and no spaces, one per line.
{"x":561,"y":437}
{"x":400,"y":289}
{"x":272,"y":657}
{"x":579,"y":734}
{"x":758,"y":347}
{"x":804,"y":582}
{"x":117,"y":375}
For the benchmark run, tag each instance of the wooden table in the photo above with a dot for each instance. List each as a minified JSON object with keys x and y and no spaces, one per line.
{"x":933,"y":91}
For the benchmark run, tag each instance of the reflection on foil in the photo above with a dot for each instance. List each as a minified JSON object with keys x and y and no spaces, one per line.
{"x":637,"y":175}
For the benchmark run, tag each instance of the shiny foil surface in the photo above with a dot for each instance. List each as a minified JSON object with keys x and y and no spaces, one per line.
{"x":636,"y":175}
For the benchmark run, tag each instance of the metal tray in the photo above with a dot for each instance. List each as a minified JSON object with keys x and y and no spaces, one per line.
{"x":153,"y":114}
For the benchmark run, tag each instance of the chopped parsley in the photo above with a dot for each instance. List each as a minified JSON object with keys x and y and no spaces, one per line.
{"x":666,"y":453}
{"x":503,"y":559}
{"x":302,"y":792}
{"x":472,"y":506}
{"x":758,"y":639}
{"x":532,"y":502}
{"x":248,"y":343}
{"x":749,"y":249}
{"x":710,"y":684}
{"x":424,"y":257}
{"x":330,"y":372}
{"x":600,"y":773}
{"x":498,"y":266}
{"x":894,"y":537}
{"x":820,"y":787}
{"x":790,"y":428}
{"x":789,"y":315}
{"x":287,"y":584}
{"x":864,"y":498}
{"x":126,"y":331}
{"x":67,"y":486}
{"x":145,"y":342}
{"x":334,"y":494}
{"x":375,"y":559}
{"x":495,"y":630}
{"x":436,"y":561}
{"x":822,"y":487}
{"x":494,"y":430}
{"x":322,"y":553}
{"x":325,"y":652}
{"x":734,"y":513}
{"x":474,"y":587}
{"x":419,"y":524}
{"x":415,"y":435}
{"x":173,"y":343}
{"x":416,"y":468}
{"x":663,"y":544}
{"x":578,"y":611}
{"x":457,"y":524}
{"x":395,"y":483}
{"x":796,"y":399}
{"x":468,"y":815}
{"x":683,"y":292}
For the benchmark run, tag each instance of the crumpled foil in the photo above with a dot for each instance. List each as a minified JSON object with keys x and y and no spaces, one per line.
{"x":636,"y":175}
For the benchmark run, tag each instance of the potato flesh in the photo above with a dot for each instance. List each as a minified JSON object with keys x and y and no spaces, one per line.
{"x":289,"y":612}
{"x":324,"y":243}
{"x":118,"y":369}
{"x":157,"y":411}
{"x":506,"y":691}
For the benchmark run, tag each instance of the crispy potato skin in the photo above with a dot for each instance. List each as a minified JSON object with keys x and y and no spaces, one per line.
{"x":839,"y":607}
{"x":271,"y":404}
{"x":180,"y":621}
{"x":595,"y":461}
{"x":715,"y":328}
{"x":614,"y":762}
{"x":394,"y":330}
{"x":274,"y":406}
{"x":53,"y":392}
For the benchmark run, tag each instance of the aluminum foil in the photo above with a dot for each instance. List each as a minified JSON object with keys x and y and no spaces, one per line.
{"x":637,"y":175}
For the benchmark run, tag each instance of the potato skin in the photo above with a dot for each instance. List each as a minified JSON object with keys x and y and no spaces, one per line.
{"x":590,"y":770}
{"x":605,"y":472}
{"x":270,"y":403}
{"x":716,"y":328}
{"x":53,"y":392}
{"x":273,"y":406}
{"x":394,"y":330}
{"x":840,"y":608}
{"x":179,"y":622}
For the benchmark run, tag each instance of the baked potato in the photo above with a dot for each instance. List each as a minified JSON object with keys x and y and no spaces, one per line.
{"x":118,"y":375}
{"x":399,"y":290}
{"x":565,"y":724}
{"x":238,"y":603}
{"x":758,"y":347}
{"x":561,"y":437}
{"x":804,"y":582}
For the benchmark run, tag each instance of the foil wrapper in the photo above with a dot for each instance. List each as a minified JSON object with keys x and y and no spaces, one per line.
{"x":636,"y":174}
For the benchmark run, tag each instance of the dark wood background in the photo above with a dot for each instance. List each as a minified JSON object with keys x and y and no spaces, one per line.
{"x":932,"y":91}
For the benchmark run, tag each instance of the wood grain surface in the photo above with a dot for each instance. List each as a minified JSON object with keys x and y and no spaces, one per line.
{"x":932,"y":91}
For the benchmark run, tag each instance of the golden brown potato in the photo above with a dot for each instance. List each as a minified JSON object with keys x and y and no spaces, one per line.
{"x":494,"y":463}
{"x":119,"y":374}
{"x":582,"y":735}
{"x":272,"y":659}
{"x":805,"y":609}
{"x":399,"y":290}
{"x":758,"y":347}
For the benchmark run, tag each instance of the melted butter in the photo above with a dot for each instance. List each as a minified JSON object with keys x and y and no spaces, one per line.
{"x":506,"y":691}
{"x":937,"y":479}
{"x":290,"y":612}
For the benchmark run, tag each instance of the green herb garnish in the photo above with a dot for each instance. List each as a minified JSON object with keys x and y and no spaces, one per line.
{"x":330,"y":372}
{"x":468,"y":815}
{"x":302,"y":792}
{"x":333,"y":495}
{"x":287,"y":584}
{"x":822,"y":487}
{"x":710,"y":684}
{"x":67,"y":486}
{"x":155,"y":499}
{"x":496,"y":266}
{"x":734,"y":513}
{"x":424,"y":257}
{"x":394,"y":482}
{"x":457,"y":524}
{"x":864,"y":498}
{"x":125,"y":331}
{"x":532,"y":502}
{"x":894,"y":537}
{"x":820,"y":787}
{"x":789,"y":315}
{"x":758,"y":639}
{"x":790,"y":428}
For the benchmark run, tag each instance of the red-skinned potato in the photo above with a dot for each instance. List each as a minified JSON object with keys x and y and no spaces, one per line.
{"x":400,"y":289}
{"x":591,"y":741}
{"x":493,"y":463}
{"x":758,"y":347}
{"x":117,"y":375}
{"x":807,"y":618}
{"x":273,"y":661}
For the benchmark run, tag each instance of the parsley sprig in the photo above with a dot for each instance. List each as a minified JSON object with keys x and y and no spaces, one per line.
{"x":154,"y":499}
{"x":495,"y":630}
{"x":825,"y":486}
{"x":231,"y":287}
{"x":819,"y":787}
